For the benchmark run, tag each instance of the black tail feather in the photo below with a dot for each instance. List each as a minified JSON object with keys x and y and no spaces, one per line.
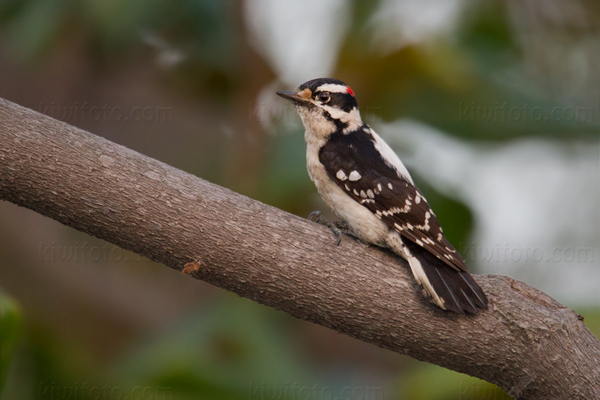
{"x":457,"y":289}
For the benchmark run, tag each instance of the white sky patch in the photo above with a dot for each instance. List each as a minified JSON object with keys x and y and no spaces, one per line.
{"x":536,"y":204}
{"x":299,"y":38}
{"x":167,"y":55}
{"x":399,"y":23}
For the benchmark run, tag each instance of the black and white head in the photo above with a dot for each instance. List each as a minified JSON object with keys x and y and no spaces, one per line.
{"x":325,"y":106}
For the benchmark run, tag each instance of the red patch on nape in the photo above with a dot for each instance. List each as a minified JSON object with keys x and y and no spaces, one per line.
{"x":350,"y":92}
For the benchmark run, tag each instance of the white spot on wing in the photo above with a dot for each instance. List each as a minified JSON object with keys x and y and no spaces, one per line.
{"x":341,"y":175}
{"x":354,"y":176}
{"x":425,"y":225}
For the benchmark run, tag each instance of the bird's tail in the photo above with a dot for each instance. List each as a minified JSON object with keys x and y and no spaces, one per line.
{"x":448,"y":288}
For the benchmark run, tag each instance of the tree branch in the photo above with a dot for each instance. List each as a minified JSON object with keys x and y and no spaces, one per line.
{"x":526,"y":343}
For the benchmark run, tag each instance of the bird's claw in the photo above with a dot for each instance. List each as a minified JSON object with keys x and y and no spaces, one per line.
{"x":318,"y":214}
{"x":338,"y":228}
{"x":336,"y":231}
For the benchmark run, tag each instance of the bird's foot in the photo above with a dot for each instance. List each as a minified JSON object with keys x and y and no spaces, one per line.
{"x":339,"y":228}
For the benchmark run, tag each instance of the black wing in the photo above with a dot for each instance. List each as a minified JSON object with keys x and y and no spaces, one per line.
{"x":353,"y":162}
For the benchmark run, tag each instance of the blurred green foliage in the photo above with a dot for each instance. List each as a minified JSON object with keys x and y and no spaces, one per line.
{"x":10,"y":324}
{"x":432,"y":383}
{"x":229,"y":349}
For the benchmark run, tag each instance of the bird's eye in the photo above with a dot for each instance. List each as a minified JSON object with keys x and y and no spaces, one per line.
{"x":323,"y":97}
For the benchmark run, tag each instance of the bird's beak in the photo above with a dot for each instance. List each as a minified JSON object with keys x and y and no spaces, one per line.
{"x":299,"y":97}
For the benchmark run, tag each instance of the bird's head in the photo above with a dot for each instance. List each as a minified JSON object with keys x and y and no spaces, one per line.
{"x":325,"y":106}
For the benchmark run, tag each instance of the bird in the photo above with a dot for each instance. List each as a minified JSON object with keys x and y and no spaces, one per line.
{"x":364,"y":182}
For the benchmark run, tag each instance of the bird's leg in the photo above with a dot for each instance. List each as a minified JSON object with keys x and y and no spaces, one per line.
{"x":339,"y":228}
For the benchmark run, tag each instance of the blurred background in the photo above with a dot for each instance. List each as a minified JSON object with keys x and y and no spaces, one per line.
{"x":493,"y":106}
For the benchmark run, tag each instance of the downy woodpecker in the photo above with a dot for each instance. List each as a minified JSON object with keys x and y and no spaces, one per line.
{"x":365,"y":184}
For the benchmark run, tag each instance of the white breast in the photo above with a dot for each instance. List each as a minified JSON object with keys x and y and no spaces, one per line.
{"x":364,"y":223}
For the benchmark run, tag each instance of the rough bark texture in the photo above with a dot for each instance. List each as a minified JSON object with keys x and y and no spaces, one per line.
{"x":526,"y":343}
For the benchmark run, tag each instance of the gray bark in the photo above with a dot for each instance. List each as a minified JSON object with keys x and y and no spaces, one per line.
{"x":526,"y":343}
